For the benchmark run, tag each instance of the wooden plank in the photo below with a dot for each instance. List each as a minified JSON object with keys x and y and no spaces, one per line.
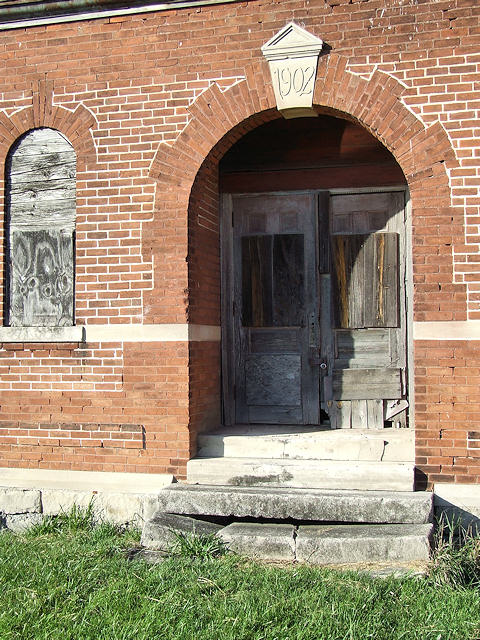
{"x":381,"y":280}
{"x":388,"y":289}
{"x":39,"y":215}
{"x":356,"y":280}
{"x":56,"y":166}
{"x":43,"y":190}
{"x":257,"y":295}
{"x":359,"y":418}
{"x":367,"y":384}
{"x":343,"y":414}
{"x":362,"y":348}
{"x":375,"y":414}
{"x":349,"y":256}
{"x":288,"y":275}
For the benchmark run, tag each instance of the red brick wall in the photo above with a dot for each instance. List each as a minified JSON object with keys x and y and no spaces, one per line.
{"x":447,"y":410}
{"x":144,"y":99}
{"x":134,"y":421}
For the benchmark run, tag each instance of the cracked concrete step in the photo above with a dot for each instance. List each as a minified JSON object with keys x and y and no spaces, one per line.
{"x":159,"y":532}
{"x":338,"y":544}
{"x":330,"y":544}
{"x":308,"y":443}
{"x":319,"y":474}
{"x":297,"y":504}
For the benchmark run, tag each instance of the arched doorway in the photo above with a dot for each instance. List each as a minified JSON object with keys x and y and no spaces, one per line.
{"x":314,"y":271}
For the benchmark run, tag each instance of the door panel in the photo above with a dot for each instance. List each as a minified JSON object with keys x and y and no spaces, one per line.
{"x":275,"y":316}
{"x":367,"y":330}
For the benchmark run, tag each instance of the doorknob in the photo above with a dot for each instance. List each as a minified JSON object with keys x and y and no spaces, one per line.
{"x":316,"y":360}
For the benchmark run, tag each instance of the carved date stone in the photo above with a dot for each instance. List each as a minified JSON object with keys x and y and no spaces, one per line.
{"x":292,"y":55}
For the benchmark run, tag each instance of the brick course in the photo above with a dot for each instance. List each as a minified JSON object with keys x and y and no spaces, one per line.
{"x":150,"y":103}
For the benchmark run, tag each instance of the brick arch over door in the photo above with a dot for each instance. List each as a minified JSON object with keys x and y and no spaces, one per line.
{"x":187,"y":193}
{"x":219,"y":118}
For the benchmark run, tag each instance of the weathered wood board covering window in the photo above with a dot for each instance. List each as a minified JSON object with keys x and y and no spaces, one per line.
{"x":273,"y":280}
{"x":41,"y":207}
{"x":366,"y":280}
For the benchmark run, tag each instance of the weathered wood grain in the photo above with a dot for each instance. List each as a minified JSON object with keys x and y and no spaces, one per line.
{"x":273,"y":266}
{"x":273,"y":380}
{"x":366,"y":280}
{"x":367,"y":384}
{"x":41,"y":291}
{"x":41,"y":211}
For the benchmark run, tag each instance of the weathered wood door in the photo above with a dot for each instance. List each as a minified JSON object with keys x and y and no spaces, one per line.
{"x":314,"y":308}
{"x":274,"y":309}
{"x":364,"y":332}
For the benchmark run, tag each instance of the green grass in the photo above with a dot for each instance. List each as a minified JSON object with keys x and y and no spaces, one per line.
{"x":456,"y":557}
{"x":202,"y":547}
{"x":75,"y":582}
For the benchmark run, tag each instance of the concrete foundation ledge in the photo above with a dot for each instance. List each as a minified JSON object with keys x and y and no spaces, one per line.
{"x":27,"y":495}
{"x":458,"y":502}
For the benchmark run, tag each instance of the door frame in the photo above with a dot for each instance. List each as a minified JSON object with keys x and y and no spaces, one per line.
{"x":227,"y":292}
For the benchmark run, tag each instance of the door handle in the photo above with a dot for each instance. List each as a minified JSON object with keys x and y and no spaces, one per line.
{"x":315,"y":360}
{"x":318,"y":362}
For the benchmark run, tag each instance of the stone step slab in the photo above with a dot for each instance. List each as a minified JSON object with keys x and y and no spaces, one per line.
{"x":309,"y":443}
{"x":297,"y":504}
{"x":318,"y":474}
{"x":330,"y":544}
{"x":159,"y":533}
{"x":341,"y":544}
{"x":262,"y":541}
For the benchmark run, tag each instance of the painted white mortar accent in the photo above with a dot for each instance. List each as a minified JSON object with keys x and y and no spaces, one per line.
{"x":113,"y":333}
{"x":452,"y":330}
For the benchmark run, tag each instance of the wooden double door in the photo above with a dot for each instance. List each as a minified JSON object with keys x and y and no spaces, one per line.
{"x":313,"y":287}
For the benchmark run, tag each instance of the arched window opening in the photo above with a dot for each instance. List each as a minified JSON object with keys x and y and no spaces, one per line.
{"x":40,"y":218}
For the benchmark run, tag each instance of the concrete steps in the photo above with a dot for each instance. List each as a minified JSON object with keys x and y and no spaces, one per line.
{"x":297,"y":504}
{"x":330,"y":544}
{"x":308,"y":457}
{"x":318,"y":474}
{"x":308,"y":443}
{"x":304,"y":525}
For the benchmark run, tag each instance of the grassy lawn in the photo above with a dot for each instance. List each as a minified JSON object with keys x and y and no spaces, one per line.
{"x":77,"y":583}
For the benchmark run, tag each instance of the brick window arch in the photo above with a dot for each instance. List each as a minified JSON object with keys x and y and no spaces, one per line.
{"x":40,"y":185}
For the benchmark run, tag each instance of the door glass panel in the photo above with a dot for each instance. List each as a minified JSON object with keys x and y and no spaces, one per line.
{"x":273,"y":280}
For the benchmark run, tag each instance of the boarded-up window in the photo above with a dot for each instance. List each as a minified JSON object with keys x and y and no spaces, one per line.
{"x":366,"y":280}
{"x":41,"y":207}
{"x":273,"y":291}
